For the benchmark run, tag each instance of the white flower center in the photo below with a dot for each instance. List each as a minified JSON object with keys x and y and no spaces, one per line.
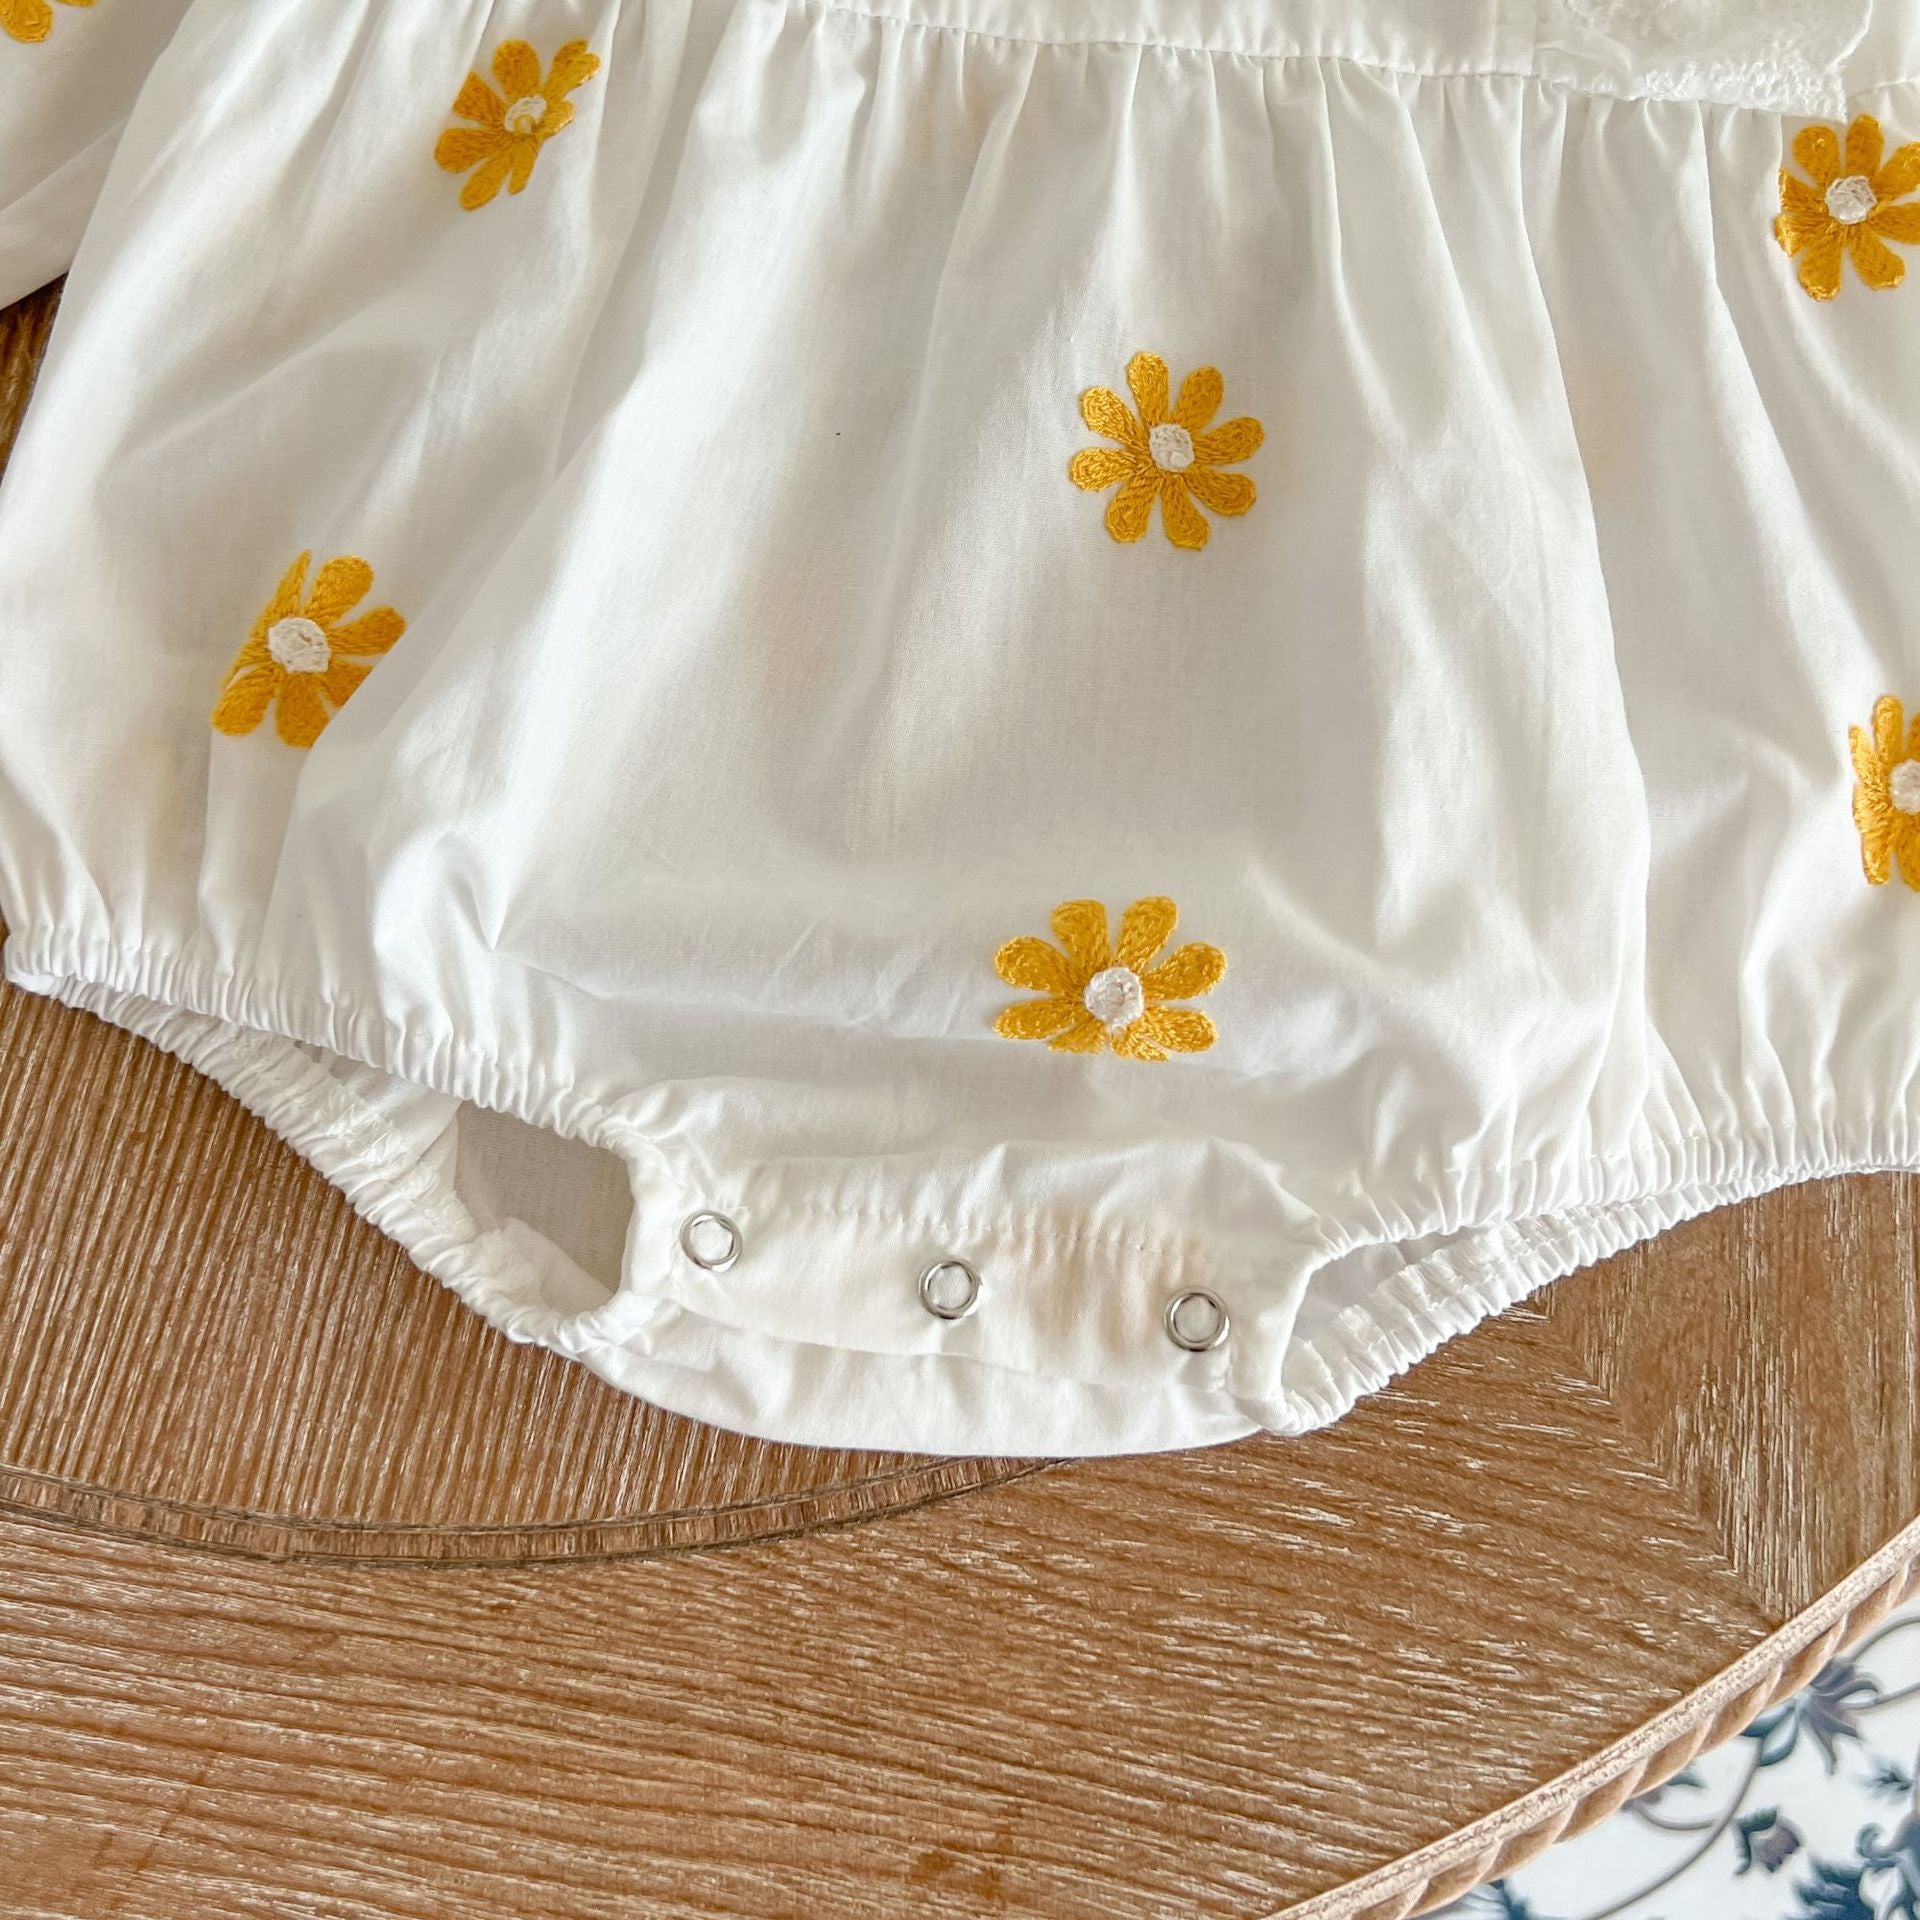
{"x":1903,"y":786}
{"x":1171,"y":447}
{"x":1115,"y":997}
{"x":299,"y":645}
{"x":525,"y":116}
{"x":1851,"y":198}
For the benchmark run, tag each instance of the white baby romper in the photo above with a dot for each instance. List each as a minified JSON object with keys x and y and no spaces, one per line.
{"x":979,"y":724}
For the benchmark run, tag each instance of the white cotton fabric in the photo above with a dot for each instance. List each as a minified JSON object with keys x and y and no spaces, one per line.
{"x":764,"y":672}
{"x":63,"y":102}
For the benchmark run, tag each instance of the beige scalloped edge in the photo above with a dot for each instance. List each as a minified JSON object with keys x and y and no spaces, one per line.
{"x":1778,"y":1666}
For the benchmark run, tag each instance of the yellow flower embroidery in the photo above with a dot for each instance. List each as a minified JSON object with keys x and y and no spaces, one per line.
{"x":1848,"y":209}
{"x":513,"y":125}
{"x":1165,"y":454}
{"x":1110,"y":996}
{"x":301,"y":656}
{"x":1886,"y":794}
{"x":31,"y":19}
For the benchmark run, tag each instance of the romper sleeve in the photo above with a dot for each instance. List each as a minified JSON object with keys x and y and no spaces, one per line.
{"x":69,"y":73}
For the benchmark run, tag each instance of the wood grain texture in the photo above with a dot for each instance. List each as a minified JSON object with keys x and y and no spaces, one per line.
{"x":24,"y":332}
{"x":318,"y":1599}
{"x":156,"y":1323}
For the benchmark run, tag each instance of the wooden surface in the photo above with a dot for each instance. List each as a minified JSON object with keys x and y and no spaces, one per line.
{"x":318,"y":1599}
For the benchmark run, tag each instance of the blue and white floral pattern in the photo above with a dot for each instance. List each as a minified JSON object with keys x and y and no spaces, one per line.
{"x":1811,"y":1814}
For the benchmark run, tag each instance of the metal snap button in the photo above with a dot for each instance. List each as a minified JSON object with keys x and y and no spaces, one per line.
{"x":1197,"y":1321}
{"x":950,"y":1289}
{"x":710,"y":1240}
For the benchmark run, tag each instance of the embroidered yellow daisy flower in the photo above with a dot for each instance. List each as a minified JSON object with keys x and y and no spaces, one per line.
{"x":1848,"y":210}
{"x":31,"y":19}
{"x":1886,"y":794}
{"x":302,"y":657}
{"x":1101,"y":995}
{"x":1165,"y":453}
{"x":514,"y":124}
